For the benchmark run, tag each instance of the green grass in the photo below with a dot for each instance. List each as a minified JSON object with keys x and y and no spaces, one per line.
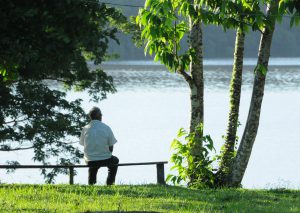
{"x":81,"y":198}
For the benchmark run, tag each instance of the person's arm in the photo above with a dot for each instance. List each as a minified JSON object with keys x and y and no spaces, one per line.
{"x":81,"y":141}
{"x":111,"y":141}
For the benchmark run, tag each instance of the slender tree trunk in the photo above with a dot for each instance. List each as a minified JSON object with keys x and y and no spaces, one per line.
{"x":247,"y":141}
{"x":195,"y":81}
{"x":196,"y":69}
{"x":235,"y":94}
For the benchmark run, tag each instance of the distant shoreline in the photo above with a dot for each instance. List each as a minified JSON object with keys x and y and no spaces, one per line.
{"x":217,"y":63}
{"x":210,"y":62}
{"x":122,"y":67}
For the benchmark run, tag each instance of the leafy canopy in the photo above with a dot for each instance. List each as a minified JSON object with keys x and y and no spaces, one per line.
{"x":164,"y":23}
{"x":162,"y":31}
{"x":50,"y":39}
{"x":290,"y":7}
{"x":44,"y":47}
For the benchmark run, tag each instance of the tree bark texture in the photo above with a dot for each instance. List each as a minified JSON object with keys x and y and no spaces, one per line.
{"x":195,"y":80}
{"x":234,"y":101}
{"x":250,"y":132}
{"x":196,"y":69}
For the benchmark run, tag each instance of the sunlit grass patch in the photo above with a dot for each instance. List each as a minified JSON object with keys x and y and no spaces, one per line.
{"x":151,"y":198}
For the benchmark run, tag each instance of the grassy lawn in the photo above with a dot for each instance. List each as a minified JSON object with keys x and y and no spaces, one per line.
{"x":152,"y":198}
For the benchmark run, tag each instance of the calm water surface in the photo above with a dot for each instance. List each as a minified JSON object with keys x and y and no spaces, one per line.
{"x":152,"y":104}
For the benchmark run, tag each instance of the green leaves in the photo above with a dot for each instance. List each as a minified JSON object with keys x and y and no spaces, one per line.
{"x":51,"y":40}
{"x":47,"y":39}
{"x":192,"y":158}
{"x":3,"y":72}
{"x":164,"y":24}
{"x":148,"y":3}
{"x":234,"y":14}
{"x":162,"y":32}
{"x":6,"y":76}
{"x":261,"y":69}
{"x":34,"y":116}
{"x":295,"y":19}
{"x":247,"y":5}
{"x":292,"y":8}
{"x":184,"y":8}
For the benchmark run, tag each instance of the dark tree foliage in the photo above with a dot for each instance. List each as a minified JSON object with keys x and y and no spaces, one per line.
{"x":291,"y":7}
{"x":44,"y":45}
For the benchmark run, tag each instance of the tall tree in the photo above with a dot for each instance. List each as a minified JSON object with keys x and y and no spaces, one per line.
{"x":232,"y":14}
{"x":242,"y":15}
{"x":44,"y":47}
{"x":234,"y":100}
{"x":196,"y":84}
{"x":196,"y":81}
{"x":164,"y":23}
{"x":161,"y":26}
{"x":244,"y":151}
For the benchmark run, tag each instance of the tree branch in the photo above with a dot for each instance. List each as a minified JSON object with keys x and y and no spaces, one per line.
{"x":30,"y":147}
{"x":15,"y":149}
{"x":15,"y":121}
{"x":56,"y":79}
{"x":186,"y":76}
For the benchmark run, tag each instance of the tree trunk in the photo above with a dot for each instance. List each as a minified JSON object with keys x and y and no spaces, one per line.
{"x":196,"y":69}
{"x":235,"y":94}
{"x":195,"y":81}
{"x":247,"y":141}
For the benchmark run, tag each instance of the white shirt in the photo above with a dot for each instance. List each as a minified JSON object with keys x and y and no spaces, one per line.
{"x":97,"y":137}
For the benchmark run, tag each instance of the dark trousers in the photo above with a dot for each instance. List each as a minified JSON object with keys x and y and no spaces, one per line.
{"x":112,"y":170}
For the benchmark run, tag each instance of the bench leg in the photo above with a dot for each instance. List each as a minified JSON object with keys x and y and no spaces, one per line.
{"x":160,"y":174}
{"x":71,"y":173}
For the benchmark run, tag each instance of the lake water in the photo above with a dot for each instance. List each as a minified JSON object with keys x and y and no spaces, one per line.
{"x":152,"y":104}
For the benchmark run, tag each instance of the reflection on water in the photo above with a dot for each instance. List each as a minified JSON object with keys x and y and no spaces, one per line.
{"x":215,"y":62}
{"x":216,"y":78}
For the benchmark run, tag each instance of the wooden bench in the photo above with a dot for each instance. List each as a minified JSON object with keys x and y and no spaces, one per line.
{"x":160,"y":171}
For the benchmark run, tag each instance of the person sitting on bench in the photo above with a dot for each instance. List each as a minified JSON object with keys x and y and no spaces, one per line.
{"x":98,"y":141}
